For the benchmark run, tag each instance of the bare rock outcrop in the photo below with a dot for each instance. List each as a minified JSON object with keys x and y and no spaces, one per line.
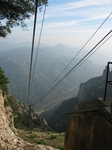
{"x":8,"y":139}
{"x":94,"y":88}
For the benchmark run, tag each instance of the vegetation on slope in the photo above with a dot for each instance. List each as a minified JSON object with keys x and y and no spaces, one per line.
{"x":36,"y":136}
{"x":33,"y":132}
{"x":3,"y":82}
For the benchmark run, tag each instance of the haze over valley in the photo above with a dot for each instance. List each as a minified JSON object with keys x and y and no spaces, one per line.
{"x":56,"y":74}
{"x":51,"y":61}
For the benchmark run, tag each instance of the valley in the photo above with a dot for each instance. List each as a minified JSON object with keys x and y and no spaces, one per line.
{"x":55,"y":75}
{"x":50,"y":62}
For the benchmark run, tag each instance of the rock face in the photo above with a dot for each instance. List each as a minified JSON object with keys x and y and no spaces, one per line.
{"x":90,"y":85}
{"x":22,"y":109}
{"x":88,"y":132}
{"x":8,"y":139}
{"x":59,"y":120}
{"x":90,"y":90}
{"x":94,"y":88}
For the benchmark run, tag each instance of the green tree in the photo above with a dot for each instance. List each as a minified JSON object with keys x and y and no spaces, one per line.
{"x":14,"y":12}
{"x":3,"y":82}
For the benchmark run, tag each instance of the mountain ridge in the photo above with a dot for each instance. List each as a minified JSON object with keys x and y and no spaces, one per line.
{"x":16,"y":65}
{"x":89,"y":90}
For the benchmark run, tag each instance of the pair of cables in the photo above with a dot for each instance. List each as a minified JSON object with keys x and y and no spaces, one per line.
{"x":91,"y":52}
{"x":32,"y":49}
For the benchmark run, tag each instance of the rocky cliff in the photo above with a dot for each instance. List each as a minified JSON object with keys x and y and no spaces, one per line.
{"x":8,"y":135}
{"x":24,"y":117}
{"x":8,"y":139}
{"x":94,"y":88}
{"x":59,"y":120}
{"x":90,"y":90}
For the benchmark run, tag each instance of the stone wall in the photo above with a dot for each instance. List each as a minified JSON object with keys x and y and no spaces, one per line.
{"x":88,"y":132}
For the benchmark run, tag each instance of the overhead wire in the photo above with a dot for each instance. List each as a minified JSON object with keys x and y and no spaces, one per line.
{"x":39,"y":43}
{"x":92,"y":53}
{"x":32,"y":49}
{"x":80,"y":50}
{"x":75,"y":55}
{"x":69,"y":72}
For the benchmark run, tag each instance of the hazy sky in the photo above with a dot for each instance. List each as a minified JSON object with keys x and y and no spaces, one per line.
{"x":70,"y":22}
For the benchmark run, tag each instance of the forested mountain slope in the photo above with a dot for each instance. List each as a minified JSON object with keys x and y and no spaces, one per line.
{"x":50,"y":62}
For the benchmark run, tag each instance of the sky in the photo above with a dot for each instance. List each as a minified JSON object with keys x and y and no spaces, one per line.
{"x":69,"y":22}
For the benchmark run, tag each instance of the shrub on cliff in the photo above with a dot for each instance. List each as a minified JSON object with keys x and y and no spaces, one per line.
{"x":3,"y":82}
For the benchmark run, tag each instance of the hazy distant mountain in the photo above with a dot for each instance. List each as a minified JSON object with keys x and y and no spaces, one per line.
{"x":51,"y":61}
{"x":58,"y":50}
{"x":4,"y":46}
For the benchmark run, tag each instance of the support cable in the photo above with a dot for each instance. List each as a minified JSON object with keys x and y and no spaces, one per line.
{"x":32,"y":49}
{"x":80,"y":50}
{"x":67,"y":74}
{"x":39,"y":43}
{"x":92,"y":53}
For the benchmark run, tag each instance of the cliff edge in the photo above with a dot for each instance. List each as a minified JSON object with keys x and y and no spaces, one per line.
{"x":8,"y":138}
